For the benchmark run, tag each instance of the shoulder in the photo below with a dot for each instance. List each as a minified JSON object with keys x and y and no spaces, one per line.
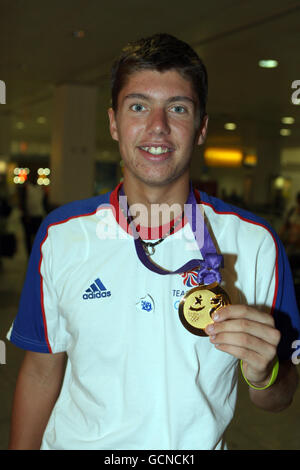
{"x":75,"y":209}
{"x":242,"y":227}
{"x":60,"y":219}
{"x":236,"y":215}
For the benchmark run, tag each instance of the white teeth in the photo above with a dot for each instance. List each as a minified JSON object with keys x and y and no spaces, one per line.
{"x":156,"y":150}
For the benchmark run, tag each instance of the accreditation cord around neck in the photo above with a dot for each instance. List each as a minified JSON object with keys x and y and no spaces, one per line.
{"x":207,"y":268}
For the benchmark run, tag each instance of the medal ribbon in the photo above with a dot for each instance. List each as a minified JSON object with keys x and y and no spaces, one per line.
{"x":208,"y":267}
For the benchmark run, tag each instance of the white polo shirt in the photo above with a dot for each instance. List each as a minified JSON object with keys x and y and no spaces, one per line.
{"x":135,"y":377}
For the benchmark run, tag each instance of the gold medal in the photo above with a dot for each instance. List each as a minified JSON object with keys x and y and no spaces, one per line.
{"x":197,"y":306}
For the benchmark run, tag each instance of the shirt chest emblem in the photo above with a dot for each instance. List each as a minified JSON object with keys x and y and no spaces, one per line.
{"x":96,"y":290}
{"x":145,"y":304}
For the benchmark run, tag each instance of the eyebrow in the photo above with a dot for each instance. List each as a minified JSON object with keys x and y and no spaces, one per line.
{"x":173,"y":99}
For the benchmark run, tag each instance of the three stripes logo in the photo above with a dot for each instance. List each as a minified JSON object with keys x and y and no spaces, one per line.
{"x":96,"y":290}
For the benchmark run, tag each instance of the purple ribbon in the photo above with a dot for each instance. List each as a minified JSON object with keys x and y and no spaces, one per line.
{"x":209,"y":271}
{"x":208,"y":267}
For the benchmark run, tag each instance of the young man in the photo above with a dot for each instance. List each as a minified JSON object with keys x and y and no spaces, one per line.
{"x":139,"y":374}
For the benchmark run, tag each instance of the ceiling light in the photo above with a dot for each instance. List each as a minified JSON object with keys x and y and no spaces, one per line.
{"x":250,"y":160}
{"x":268,"y":63}
{"x":287,"y":120}
{"x":223,"y":157}
{"x":41,"y":120}
{"x":3,"y":166}
{"x":285,"y":132}
{"x":279,"y":182}
{"x":230,"y":126}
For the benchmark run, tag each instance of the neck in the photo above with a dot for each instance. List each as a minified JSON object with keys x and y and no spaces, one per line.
{"x":156,"y":205}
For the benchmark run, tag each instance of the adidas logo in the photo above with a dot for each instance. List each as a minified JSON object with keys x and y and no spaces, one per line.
{"x":96,"y":290}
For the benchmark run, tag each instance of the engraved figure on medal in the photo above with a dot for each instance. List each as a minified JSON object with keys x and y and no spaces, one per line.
{"x":197,"y":306}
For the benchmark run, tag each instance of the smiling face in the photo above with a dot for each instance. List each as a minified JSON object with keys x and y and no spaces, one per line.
{"x":157,"y":125}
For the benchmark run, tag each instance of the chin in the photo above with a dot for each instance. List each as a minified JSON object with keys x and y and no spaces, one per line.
{"x":160,"y":180}
{"x":157,"y":178}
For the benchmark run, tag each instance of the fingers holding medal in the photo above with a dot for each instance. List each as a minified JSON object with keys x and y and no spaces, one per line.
{"x":247,"y":334}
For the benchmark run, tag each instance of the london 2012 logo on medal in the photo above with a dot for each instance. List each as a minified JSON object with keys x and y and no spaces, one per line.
{"x":198,"y":305}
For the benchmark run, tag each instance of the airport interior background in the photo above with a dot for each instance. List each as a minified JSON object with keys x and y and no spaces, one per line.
{"x":55,"y":60}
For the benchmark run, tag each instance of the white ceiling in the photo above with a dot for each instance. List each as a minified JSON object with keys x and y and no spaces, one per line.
{"x":38,"y":51}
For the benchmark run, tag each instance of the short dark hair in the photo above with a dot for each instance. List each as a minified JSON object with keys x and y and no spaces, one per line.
{"x":160,"y":52}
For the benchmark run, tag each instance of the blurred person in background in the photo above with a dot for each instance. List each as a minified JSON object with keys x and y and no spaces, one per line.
{"x":290,"y":231}
{"x":7,"y":240}
{"x":32,"y":205}
{"x":5,"y":206}
{"x":290,"y":236}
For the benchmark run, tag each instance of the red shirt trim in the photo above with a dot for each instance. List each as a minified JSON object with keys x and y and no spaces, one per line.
{"x":146,"y":233}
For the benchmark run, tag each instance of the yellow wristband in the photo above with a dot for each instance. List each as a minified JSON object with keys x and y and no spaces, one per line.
{"x":272,"y":379}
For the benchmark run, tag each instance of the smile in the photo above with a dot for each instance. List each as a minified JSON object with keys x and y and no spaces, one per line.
{"x":157,"y":150}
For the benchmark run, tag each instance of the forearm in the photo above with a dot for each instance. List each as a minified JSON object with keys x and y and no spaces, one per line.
{"x":34,"y":399}
{"x":280,"y":395}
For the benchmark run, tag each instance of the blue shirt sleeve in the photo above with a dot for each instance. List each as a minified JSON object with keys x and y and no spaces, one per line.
{"x":29,"y":329}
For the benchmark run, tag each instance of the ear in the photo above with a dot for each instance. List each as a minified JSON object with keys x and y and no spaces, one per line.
{"x":113,"y":124}
{"x":200,"y":139}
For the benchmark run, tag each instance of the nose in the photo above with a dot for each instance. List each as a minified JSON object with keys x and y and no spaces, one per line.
{"x":158,"y":122}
